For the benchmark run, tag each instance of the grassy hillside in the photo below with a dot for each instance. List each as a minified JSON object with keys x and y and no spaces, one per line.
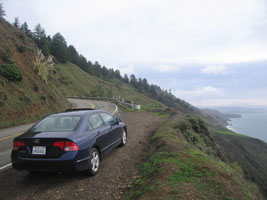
{"x":249,"y":153}
{"x":28,"y":99}
{"x":182,"y":163}
{"x":75,"y":81}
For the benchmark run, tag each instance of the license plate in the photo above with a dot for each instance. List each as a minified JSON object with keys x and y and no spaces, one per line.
{"x":39,"y":150}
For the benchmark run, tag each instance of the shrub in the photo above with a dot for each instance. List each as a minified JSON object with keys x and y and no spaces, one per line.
{"x":182,"y":125}
{"x":35,"y":87}
{"x":21,"y":35}
{"x":195,"y":124}
{"x":3,"y":83}
{"x":52,"y":97}
{"x":6,"y":56}
{"x":42,"y":97}
{"x":43,"y":65}
{"x":2,"y":103}
{"x":11,"y":71}
{"x":22,"y":48}
{"x":25,"y":98}
{"x":3,"y":96}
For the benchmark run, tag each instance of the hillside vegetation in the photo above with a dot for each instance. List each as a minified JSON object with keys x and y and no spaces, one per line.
{"x":183,"y":162}
{"x":24,"y":96}
{"x":75,"y":81}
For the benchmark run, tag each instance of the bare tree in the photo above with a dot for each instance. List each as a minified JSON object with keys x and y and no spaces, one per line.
{"x":2,"y":12}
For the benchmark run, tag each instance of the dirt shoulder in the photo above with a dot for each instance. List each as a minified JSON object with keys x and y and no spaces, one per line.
{"x":116,"y":173}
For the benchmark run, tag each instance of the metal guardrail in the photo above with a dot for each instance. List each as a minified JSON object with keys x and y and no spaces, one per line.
{"x":118,"y":100}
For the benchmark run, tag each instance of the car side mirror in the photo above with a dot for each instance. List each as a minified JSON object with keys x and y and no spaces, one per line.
{"x":118,"y":120}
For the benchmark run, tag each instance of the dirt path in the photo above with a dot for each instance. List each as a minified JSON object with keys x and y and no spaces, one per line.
{"x":116,"y":172}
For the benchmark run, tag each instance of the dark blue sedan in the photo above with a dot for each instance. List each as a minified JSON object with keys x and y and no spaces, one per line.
{"x":74,"y":140}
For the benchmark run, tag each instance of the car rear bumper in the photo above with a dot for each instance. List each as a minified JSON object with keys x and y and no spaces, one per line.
{"x":66,"y":163}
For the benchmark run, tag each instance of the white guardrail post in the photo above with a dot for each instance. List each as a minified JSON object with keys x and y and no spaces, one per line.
{"x":131,"y":105}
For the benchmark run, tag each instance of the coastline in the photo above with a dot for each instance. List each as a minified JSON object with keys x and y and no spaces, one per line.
{"x":250,"y":124}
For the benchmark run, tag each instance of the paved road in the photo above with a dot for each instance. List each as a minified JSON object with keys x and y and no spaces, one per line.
{"x":6,"y":138}
{"x":109,"y":107}
{"x":7,"y":135}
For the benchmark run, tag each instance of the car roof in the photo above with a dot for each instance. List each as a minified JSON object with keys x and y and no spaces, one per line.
{"x":77,"y":112}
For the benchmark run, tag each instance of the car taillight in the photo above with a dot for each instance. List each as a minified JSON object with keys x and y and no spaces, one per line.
{"x":17,"y":145}
{"x":66,"y":145}
{"x":71,"y":146}
{"x":59,"y":144}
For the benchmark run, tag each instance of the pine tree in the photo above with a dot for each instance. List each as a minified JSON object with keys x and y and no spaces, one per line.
{"x":59,"y":48}
{"x":16,"y":22}
{"x":84,"y":64}
{"x":39,"y":32}
{"x":25,"y":29}
{"x":118,"y":74}
{"x":2,"y":12}
{"x":73,"y":55}
{"x":125,"y":78}
{"x":41,"y":40}
{"x":133,"y":81}
{"x":146,"y":86}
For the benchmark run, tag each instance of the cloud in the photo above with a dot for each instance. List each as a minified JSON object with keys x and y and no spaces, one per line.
{"x":232,"y":102}
{"x":215,"y":69}
{"x":129,"y":69}
{"x":210,"y":96}
{"x":165,"y":68}
{"x":135,"y":31}
{"x":200,"y":93}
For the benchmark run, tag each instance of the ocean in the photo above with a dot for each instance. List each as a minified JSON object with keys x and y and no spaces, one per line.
{"x":252,"y":124}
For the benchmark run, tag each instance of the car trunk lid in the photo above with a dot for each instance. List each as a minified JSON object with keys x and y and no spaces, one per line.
{"x":41,"y":147}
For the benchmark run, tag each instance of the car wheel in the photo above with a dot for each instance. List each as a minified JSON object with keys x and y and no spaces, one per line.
{"x":94,"y":162}
{"x":123,"y":138}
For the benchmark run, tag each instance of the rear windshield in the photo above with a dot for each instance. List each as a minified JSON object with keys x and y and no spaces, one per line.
{"x":57,"y":124}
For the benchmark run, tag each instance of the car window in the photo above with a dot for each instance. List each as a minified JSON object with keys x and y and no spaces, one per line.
{"x":95,"y":121}
{"x":108,"y":119}
{"x":57,"y":124}
{"x":89,"y":125}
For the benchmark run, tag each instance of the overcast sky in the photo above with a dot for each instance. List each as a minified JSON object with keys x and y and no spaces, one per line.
{"x":208,"y":52}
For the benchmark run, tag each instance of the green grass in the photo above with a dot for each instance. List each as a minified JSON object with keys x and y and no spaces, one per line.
{"x":162,"y":114}
{"x":176,"y":168}
{"x":188,"y":164}
{"x":229,"y":132}
{"x":75,"y":81}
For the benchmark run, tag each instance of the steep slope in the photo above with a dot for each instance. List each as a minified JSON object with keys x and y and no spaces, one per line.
{"x":249,"y":153}
{"x":183,"y":162}
{"x":75,"y":81}
{"x":28,"y":99}
{"x":219,"y":117}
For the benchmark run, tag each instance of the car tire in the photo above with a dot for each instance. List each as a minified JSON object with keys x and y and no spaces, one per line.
{"x":123,"y":138}
{"x":94,"y":162}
